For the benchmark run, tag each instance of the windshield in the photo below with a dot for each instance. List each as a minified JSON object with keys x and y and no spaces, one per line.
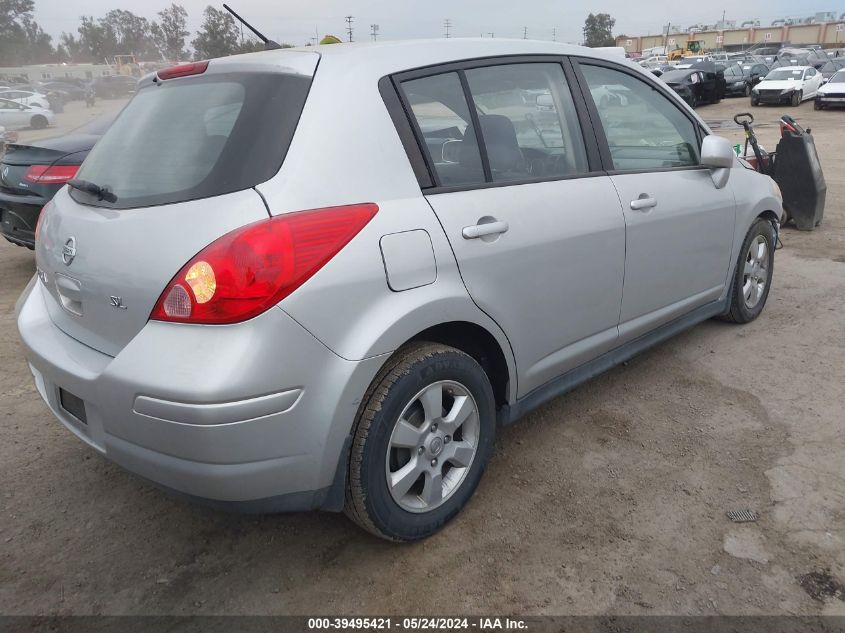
{"x":733,"y":71}
{"x":838,"y":78}
{"x":782,"y":74}
{"x":196,"y":137}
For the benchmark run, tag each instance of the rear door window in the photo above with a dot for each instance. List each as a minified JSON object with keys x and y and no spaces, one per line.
{"x":527,"y":118}
{"x":196,"y":137}
{"x":442,"y":116}
{"x":528,"y":121}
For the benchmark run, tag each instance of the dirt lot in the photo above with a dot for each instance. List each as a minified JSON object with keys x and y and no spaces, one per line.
{"x":612,"y":499}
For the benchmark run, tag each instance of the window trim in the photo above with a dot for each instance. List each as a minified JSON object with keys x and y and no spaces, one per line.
{"x":598,"y":128}
{"x":402,"y":116}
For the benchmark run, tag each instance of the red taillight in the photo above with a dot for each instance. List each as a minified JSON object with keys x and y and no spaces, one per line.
{"x":251,"y":269}
{"x":41,"y":216}
{"x":183,"y":70}
{"x":50,"y":174}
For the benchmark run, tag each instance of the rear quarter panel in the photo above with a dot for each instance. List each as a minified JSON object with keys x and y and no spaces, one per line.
{"x":346,"y":150}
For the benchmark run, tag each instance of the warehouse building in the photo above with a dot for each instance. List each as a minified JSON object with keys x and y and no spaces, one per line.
{"x":826,"y":34}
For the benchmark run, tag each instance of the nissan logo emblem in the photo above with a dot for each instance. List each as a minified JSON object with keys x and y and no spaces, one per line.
{"x":69,"y":251}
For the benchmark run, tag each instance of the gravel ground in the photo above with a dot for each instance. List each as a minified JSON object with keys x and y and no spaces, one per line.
{"x":612,"y":499}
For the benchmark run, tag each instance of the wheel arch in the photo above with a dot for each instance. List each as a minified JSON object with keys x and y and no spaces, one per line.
{"x":480,"y":344}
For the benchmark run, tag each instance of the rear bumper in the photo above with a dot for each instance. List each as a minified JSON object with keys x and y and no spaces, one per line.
{"x":18,"y":217}
{"x":253,"y":416}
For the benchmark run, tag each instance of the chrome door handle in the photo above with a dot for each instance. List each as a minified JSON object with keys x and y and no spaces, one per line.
{"x":643,"y":203}
{"x":480,"y":230}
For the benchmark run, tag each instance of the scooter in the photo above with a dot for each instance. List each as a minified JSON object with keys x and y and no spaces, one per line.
{"x":762,"y":160}
{"x":794,"y":166}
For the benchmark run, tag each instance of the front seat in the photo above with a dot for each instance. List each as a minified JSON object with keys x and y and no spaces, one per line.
{"x":506,"y":159}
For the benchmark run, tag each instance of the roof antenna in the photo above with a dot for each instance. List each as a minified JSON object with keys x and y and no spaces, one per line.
{"x":269,"y":44}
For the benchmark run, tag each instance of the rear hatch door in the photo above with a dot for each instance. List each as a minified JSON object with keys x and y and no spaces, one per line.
{"x":181,"y":160}
{"x":103,"y":270}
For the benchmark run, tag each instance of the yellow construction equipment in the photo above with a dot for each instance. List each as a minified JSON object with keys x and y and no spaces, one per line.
{"x":693,"y":47}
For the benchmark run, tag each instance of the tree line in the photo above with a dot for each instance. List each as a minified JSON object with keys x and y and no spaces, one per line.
{"x":23,"y":41}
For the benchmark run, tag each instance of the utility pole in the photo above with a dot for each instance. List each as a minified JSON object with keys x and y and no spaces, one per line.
{"x":491,"y":34}
{"x":349,"y":19}
{"x":447,"y":24}
{"x":525,"y":32}
{"x":374,"y":31}
{"x":554,"y":34}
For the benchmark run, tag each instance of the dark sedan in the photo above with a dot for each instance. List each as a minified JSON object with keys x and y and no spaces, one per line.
{"x":30,"y":175}
{"x":741,"y":78}
{"x":693,"y":85}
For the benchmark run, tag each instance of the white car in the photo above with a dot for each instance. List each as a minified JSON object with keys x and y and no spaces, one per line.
{"x":832,"y":93}
{"x":654,"y":61}
{"x":14,"y":115}
{"x":26,"y":97}
{"x":788,"y":84}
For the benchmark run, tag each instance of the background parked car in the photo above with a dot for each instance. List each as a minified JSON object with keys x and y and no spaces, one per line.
{"x":741,"y":78}
{"x":69,"y":91}
{"x":113,"y":86}
{"x":693,"y":85}
{"x":800,"y":57}
{"x":791,"y":84}
{"x":832,"y":93}
{"x":26,"y":97}
{"x":30,"y":175}
{"x":14,"y":115}
{"x":831,"y":68}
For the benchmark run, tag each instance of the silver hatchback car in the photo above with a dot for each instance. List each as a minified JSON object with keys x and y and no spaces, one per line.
{"x":320,"y":278}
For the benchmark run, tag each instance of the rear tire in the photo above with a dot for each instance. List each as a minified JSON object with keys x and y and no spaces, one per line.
{"x":752,"y":278}
{"x":421,"y":442}
{"x":38,"y":122}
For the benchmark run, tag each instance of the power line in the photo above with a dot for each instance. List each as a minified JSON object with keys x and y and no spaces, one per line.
{"x":349,"y":19}
{"x":447,"y":24}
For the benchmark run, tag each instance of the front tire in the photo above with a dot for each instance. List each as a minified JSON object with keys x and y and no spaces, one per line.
{"x":421,"y":442}
{"x":753,"y":275}
{"x":797,"y":98}
{"x":754,"y":102}
{"x":747,"y":90}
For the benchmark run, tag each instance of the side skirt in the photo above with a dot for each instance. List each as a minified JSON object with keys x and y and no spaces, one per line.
{"x":508,"y":414}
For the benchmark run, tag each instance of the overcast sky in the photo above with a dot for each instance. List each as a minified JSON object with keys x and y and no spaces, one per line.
{"x":296,"y":22}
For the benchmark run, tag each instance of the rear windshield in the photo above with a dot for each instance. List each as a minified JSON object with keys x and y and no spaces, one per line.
{"x":195,"y":137}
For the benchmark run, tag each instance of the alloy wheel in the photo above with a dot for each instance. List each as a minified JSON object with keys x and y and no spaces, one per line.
{"x":432,"y":446}
{"x":756,"y":272}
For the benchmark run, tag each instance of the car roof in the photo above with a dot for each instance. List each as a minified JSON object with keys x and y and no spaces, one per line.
{"x":406,"y":54}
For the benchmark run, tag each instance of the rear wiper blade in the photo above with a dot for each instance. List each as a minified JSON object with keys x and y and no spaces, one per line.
{"x":93,"y":189}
